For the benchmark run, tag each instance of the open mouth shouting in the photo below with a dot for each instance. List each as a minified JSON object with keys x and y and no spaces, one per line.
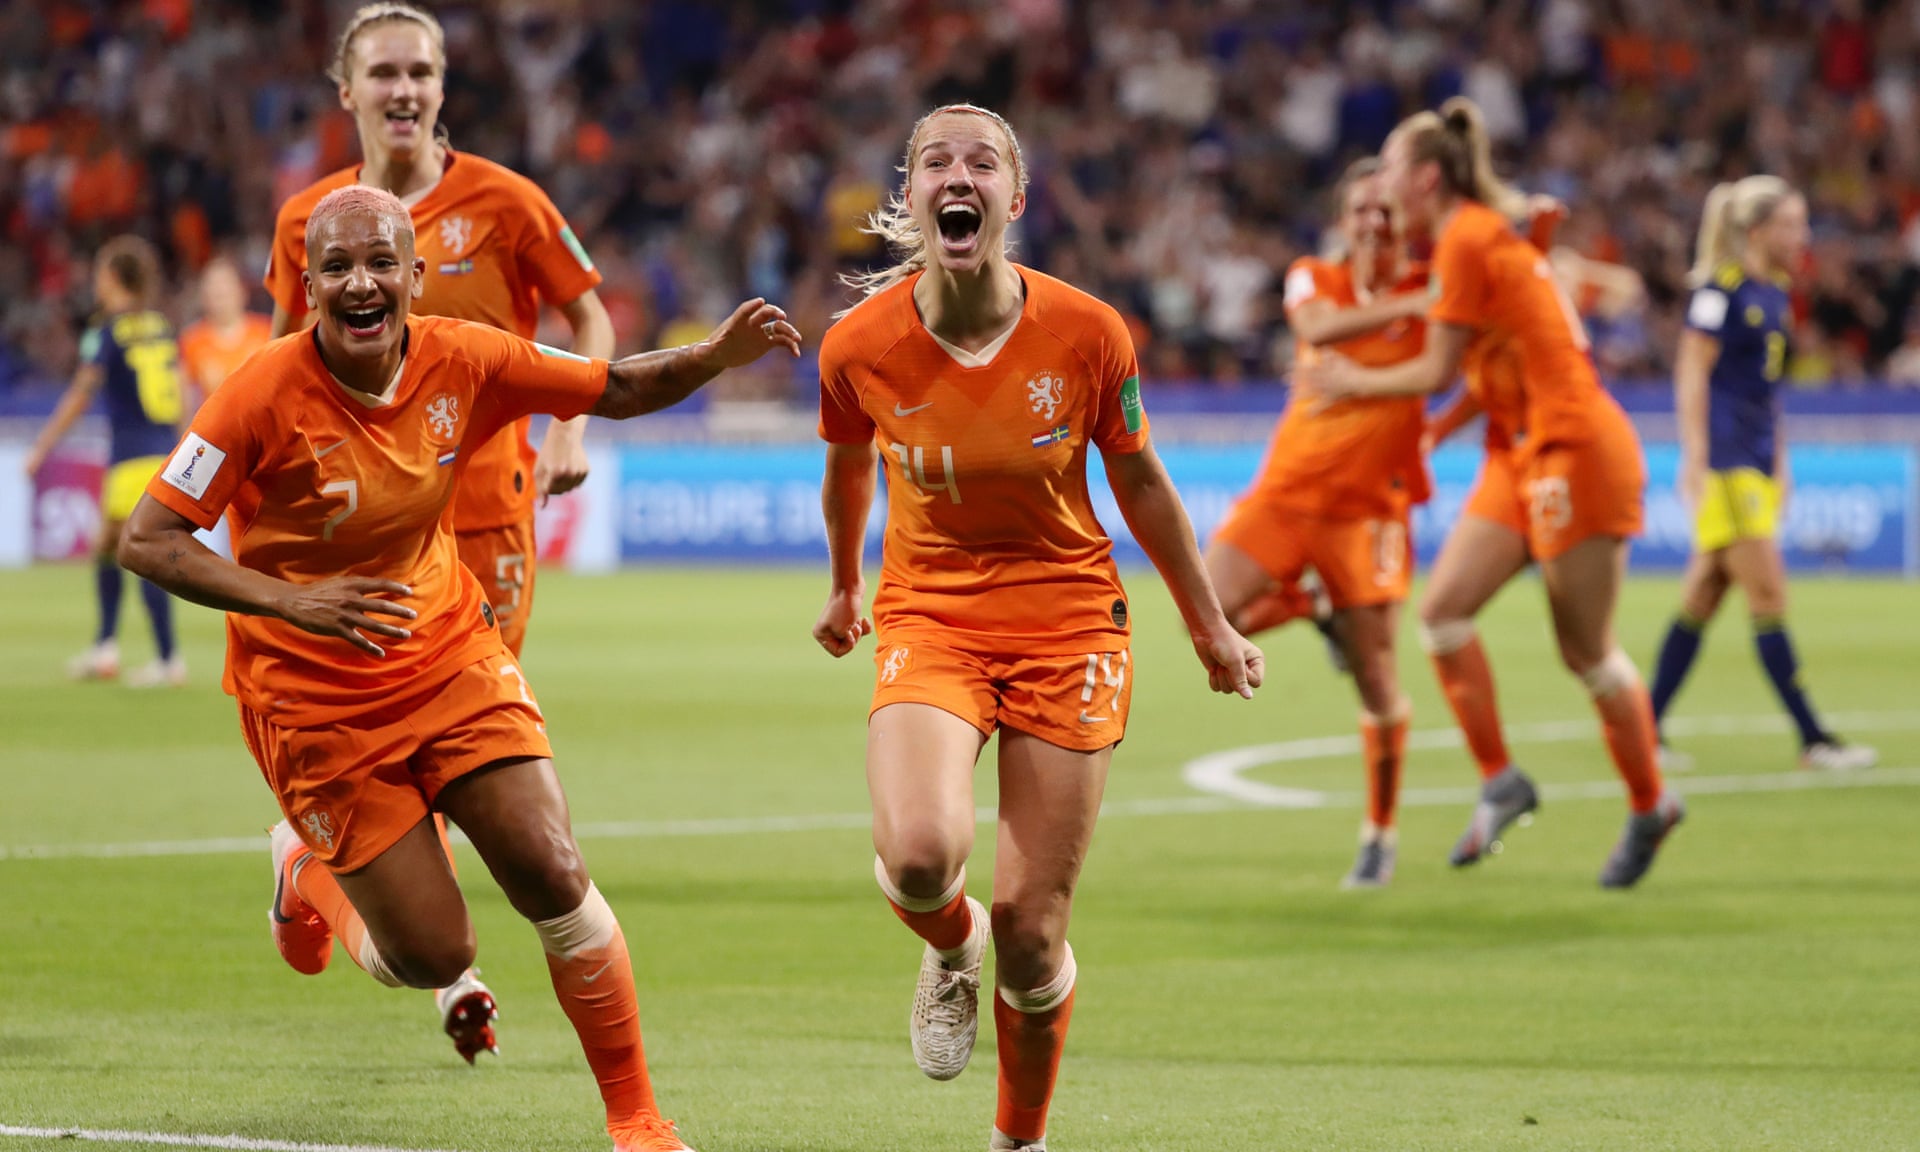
{"x":959,"y":227}
{"x":365,"y":323}
{"x":403,"y":122}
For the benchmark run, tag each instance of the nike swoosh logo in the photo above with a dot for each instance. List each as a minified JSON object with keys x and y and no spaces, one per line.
{"x":1086,"y":719}
{"x":899,"y":411}
{"x":319,"y":452}
{"x":602,"y":971}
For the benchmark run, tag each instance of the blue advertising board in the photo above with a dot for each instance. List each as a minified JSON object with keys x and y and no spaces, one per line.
{"x":1852,"y":508}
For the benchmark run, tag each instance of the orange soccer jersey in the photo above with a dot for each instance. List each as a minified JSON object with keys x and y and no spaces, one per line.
{"x":991,"y":542}
{"x":322,"y":484}
{"x":210,"y":357}
{"x":496,"y":248}
{"x":1361,"y":458}
{"x":1489,"y":278}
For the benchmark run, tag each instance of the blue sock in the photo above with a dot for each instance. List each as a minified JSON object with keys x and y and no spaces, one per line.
{"x":1670,"y":669}
{"x":160,"y":611}
{"x":1783,"y":668}
{"x":106,"y":591}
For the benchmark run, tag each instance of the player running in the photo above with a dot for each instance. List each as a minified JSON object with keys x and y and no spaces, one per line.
{"x":374,"y":688}
{"x":1733,"y":454}
{"x":981,"y":384}
{"x":1337,"y":487}
{"x":1568,"y":495}
{"x":496,"y":250}
{"x":129,"y":356}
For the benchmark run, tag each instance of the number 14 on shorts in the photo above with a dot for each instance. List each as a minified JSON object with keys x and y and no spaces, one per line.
{"x":1106,"y":676}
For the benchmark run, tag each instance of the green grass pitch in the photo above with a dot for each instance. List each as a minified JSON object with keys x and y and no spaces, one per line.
{"x":1758,"y":992}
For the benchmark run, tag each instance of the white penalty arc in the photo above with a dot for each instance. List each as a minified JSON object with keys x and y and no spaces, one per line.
{"x":1221,"y":774}
{"x":175,"y":1140}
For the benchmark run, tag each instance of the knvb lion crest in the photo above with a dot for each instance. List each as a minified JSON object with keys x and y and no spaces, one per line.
{"x":896,"y":664}
{"x":443,"y":415}
{"x":1045,"y":392}
{"x":455,"y":232}
{"x":318,"y":829}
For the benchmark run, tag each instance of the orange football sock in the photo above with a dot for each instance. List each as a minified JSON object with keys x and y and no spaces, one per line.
{"x":1276,"y":606}
{"x":1467,"y":679}
{"x":593,"y":979}
{"x":946,"y":928}
{"x":1031,"y":1039}
{"x":1626,"y":716}
{"x":1385,"y":747}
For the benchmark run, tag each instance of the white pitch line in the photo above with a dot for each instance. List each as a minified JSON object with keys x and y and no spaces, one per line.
{"x":1215,"y":775}
{"x":173,"y":1140}
{"x":1220,"y":773}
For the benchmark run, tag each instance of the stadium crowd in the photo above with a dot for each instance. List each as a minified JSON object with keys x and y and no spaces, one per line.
{"x":708,"y":151}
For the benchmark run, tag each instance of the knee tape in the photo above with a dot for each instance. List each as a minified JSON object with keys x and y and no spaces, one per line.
{"x":375,"y":965}
{"x":1048,"y":996}
{"x":1611,"y":675}
{"x":916,"y":903}
{"x":1444,"y":636}
{"x":592,"y":925}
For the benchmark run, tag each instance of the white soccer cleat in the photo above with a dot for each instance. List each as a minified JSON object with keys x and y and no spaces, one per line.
{"x":1001,"y":1142}
{"x":946,"y":1005}
{"x":467,"y":1012}
{"x":100,"y":662}
{"x":160,"y":674}
{"x":1833,"y":756}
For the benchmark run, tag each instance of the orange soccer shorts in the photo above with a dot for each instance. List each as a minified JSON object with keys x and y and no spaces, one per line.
{"x":352,"y":789}
{"x":1562,"y":494}
{"x":1362,"y":562}
{"x":502,"y":559}
{"x":1078,"y":702}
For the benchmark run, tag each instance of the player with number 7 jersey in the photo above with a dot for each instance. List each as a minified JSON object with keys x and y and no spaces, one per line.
{"x":376,"y":692}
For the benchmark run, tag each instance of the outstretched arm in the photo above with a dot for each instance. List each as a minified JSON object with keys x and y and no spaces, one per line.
{"x":651,"y":381}
{"x":846,"y":498}
{"x":158,"y":544}
{"x":562,"y":465}
{"x":1153,"y":510}
{"x":1319,"y":322}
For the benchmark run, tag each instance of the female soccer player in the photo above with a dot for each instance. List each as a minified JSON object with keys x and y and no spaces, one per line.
{"x":128,"y":354}
{"x":1337,"y":487}
{"x":496,"y":249}
{"x":1733,"y":456}
{"x":374,"y":688}
{"x":981,"y":384}
{"x":1567,"y":496}
{"x":226,"y":333}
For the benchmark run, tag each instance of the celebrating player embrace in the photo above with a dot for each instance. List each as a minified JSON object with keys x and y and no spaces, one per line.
{"x":374,"y":686}
{"x":981,"y":384}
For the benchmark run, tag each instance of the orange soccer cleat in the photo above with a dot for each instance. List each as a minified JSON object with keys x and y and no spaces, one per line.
{"x":467,"y":1012}
{"x":646,"y":1132}
{"x":302,"y":936}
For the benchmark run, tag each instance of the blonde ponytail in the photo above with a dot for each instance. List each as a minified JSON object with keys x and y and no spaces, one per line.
{"x":895,"y":224}
{"x":1455,"y":138}
{"x":1732,"y":210}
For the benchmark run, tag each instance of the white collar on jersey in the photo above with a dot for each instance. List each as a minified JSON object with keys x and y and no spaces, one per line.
{"x":369,"y":399}
{"x":983,"y":357}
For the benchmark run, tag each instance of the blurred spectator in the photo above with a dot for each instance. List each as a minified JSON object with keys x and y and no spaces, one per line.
{"x":713,"y":150}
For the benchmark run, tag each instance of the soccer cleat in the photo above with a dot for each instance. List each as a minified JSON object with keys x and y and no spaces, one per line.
{"x":1831,"y":755}
{"x":946,"y":1005}
{"x":160,"y":674}
{"x":1001,"y":1142}
{"x":647,"y":1132}
{"x":1671,"y":759}
{"x":1503,"y":799}
{"x":1646,"y":831}
{"x":1374,"y":866}
{"x":305,"y":940}
{"x":467,"y":1012}
{"x":100,"y":662}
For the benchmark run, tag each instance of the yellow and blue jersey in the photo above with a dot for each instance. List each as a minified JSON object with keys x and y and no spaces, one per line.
{"x":140,"y":365}
{"x":1749,"y":318}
